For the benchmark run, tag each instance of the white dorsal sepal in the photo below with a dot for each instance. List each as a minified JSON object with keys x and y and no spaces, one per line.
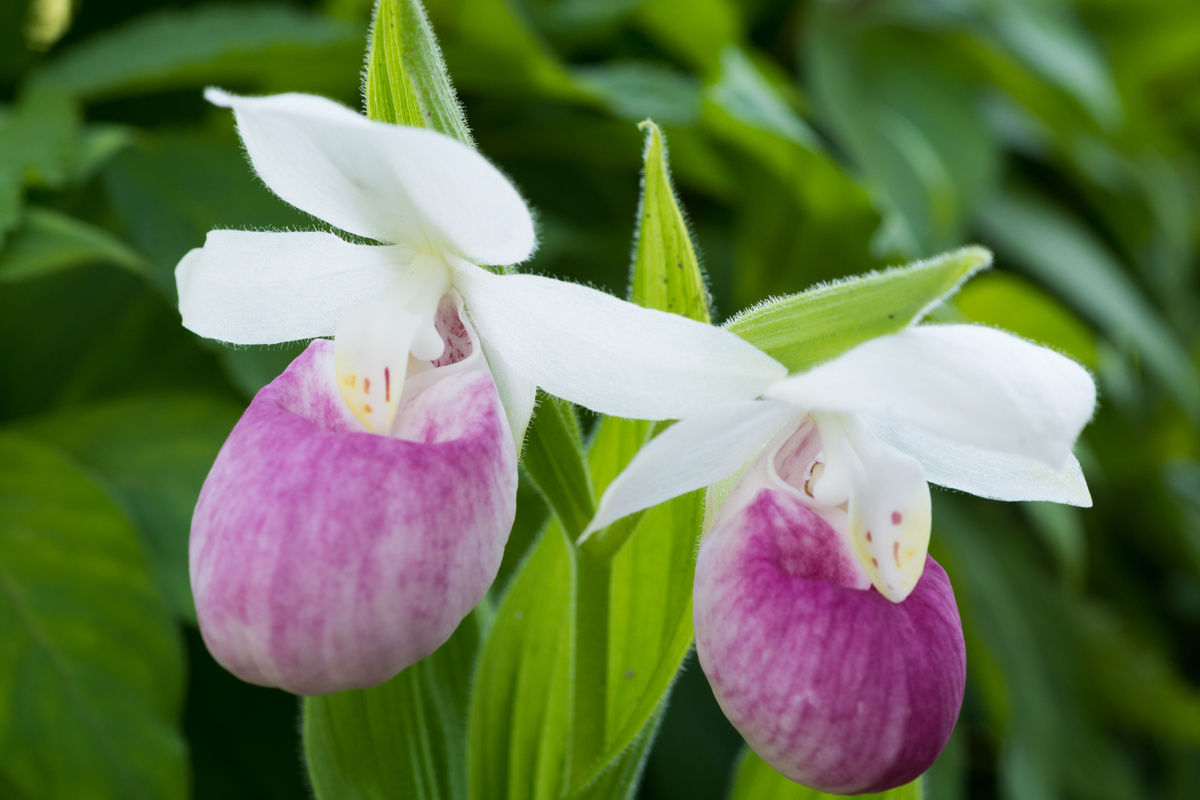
{"x":375,"y":338}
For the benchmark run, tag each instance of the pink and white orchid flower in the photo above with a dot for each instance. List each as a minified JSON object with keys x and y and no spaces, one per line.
{"x":831,"y":639}
{"x":360,"y":507}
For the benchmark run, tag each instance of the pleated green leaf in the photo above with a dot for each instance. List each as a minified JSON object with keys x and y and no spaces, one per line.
{"x":666,"y":273}
{"x":754,"y":780}
{"x":520,"y":718}
{"x":406,"y":82}
{"x":406,"y":738}
{"x":620,"y":778}
{"x":91,"y":667}
{"x":806,"y":329}
{"x":640,"y":571}
{"x":553,"y":457}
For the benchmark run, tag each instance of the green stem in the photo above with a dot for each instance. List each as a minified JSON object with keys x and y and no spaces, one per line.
{"x":591,"y":662}
{"x":555,"y":460}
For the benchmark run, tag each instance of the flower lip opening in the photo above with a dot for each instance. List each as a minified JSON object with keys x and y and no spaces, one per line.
{"x":459,"y":354}
{"x":798,"y":456}
{"x":457,"y":339}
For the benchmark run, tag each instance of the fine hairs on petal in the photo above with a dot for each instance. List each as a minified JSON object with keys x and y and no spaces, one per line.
{"x":689,"y":455}
{"x":607,"y":354}
{"x":251,"y":287}
{"x":967,"y":383}
{"x":389,"y":183}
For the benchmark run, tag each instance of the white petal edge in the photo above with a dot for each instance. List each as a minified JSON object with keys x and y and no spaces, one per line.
{"x":689,"y":455}
{"x":985,"y":473}
{"x":966,"y":383}
{"x":609,"y":355}
{"x":247,"y":287}
{"x":393,"y":183}
{"x":517,"y":395}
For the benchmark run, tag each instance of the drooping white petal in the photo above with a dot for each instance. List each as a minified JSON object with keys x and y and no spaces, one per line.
{"x":967,"y":383}
{"x":518,"y":395}
{"x":609,"y":355}
{"x":388,"y":182}
{"x":691,"y":454}
{"x":375,"y":338}
{"x":888,"y":505}
{"x":247,"y":287}
{"x":985,"y":473}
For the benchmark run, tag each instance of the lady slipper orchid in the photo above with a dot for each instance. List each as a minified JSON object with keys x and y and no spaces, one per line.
{"x":360,"y":507}
{"x":830,"y":638}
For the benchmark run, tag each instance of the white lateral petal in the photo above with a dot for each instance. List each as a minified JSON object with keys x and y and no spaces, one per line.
{"x":609,"y":355}
{"x":387,"y":182}
{"x":985,"y":473}
{"x":689,"y":455}
{"x":966,"y":383}
{"x":889,"y":507}
{"x":247,"y":287}
{"x":517,"y":395}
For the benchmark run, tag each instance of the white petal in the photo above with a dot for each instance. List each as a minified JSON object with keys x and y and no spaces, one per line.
{"x":375,"y":338}
{"x":517,"y":395}
{"x":388,"y":182}
{"x":609,"y":355}
{"x":691,"y":454}
{"x":246,"y":287}
{"x":966,"y":383}
{"x":998,"y":476}
{"x":889,"y":508}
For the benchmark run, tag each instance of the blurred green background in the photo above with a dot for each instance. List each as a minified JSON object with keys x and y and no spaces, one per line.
{"x":809,"y":140}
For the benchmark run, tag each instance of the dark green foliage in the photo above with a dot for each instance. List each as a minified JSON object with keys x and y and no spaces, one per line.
{"x":809,"y":140}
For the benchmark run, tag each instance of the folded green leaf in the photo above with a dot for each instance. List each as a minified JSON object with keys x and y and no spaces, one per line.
{"x":520,"y":718}
{"x":91,"y":667}
{"x":649,"y":622}
{"x":553,"y":457}
{"x":621,"y":778}
{"x":49,"y":241}
{"x":406,"y":81}
{"x":666,"y":272}
{"x":803,"y":330}
{"x":754,"y":780}
{"x":635,"y":578}
{"x":406,"y":738}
